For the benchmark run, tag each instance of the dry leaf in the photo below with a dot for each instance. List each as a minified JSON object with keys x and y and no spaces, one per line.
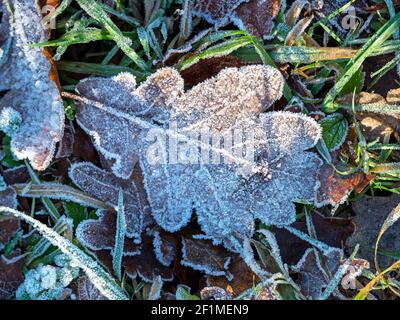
{"x":335,"y":188}
{"x":214,"y":293}
{"x":129,"y":123}
{"x":332,"y":231}
{"x":201,"y":255}
{"x":87,"y":291}
{"x":33,"y":98}
{"x":105,"y":186}
{"x":243,"y":278}
{"x":312,"y":276}
{"x":255,"y":16}
{"x":11,"y":275}
{"x":371,"y":212}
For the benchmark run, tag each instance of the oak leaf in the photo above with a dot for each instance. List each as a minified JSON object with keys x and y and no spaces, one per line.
{"x":129,"y":123}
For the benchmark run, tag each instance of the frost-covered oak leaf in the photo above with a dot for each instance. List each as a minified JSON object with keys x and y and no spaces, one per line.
{"x":210,"y":148}
{"x":8,"y":224}
{"x":105,"y":186}
{"x":33,"y":102}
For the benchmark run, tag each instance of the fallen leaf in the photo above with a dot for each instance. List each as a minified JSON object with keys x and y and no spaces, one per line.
{"x":203,"y":256}
{"x":242,"y":278}
{"x":105,"y":186}
{"x":254,"y":16}
{"x":371,"y":212}
{"x":335,"y":188}
{"x":100,"y":234}
{"x":85,"y":290}
{"x":129,"y":123}
{"x":214,"y":293}
{"x":33,"y":96}
{"x":11,"y":275}
{"x":332,"y":231}
{"x":15,"y":175}
{"x":312,"y":277}
{"x":353,"y":271}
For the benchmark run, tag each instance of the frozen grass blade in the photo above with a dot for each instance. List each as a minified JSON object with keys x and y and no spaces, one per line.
{"x":95,"y":10}
{"x":119,"y":236}
{"x":97,"y":275}
{"x":376,"y":41}
{"x":59,"y":192}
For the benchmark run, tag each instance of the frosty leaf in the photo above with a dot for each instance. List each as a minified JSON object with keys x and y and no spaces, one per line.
{"x":145,"y":265}
{"x":332,"y":231}
{"x":15,"y":175}
{"x":105,"y":187}
{"x":11,"y":275}
{"x":8,"y":225}
{"x":214,"y":293}
{"x":201,"y":255}
{"x":335,"y":188}
{"x":313,"y":277}
{"x":87,"y":291}
{"x":129,"y":124}
{"x":334,"y":130}
{"x":214,"y":11}
{"x":255,"y":16}
{"x":353,"y":271}
{"x":243,"y":278}
{"x":371,"y":213}
{"x":165,"y":247}
{"x":25,"y":72}
{"x":100,"y":234}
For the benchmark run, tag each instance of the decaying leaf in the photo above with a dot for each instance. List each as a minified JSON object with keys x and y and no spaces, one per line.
{"x":33,"y":105}
{"x":11,"y":275}
{"x":335,"y":188}
{"x":242,"y":278}
{"x":105,"y":186}
{"x":314,"y":274}
{"x":214,"y":293}
{"x":255,"y":16}
{"x":160,"y":124}
{"x":371,"y":213}
{"x":99,"y":236}
{"x":8,"y":224}
{"x":353,"y":271}
{"x":201,"y":255}
{"x":332,"y":231}
{"x":87,"y":291}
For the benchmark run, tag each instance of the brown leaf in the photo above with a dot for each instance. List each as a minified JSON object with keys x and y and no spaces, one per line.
{"x":312,"y":278}
{"x":214,"y":293}
{"x":87,"y":291}
{"x":335,"y":188}
{"x":8,"y":227}
{"x":243,"y":278}
{"x":203,"y":256}
{"x":256,"y":16}
{"x":66,"y":145}
{"x":15,"y":175}
{"x":100,"y":234}
{"x":11,"y":275}
{"x":332,"y":231}
{"x":207,"y":68}
{"x":371,"y":212}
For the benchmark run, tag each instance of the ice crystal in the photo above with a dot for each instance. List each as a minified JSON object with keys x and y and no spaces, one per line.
{"x":211,"y":148}
{"x":25,"y":72}
{"x":47,"y":282}
{"x":10,"y":120}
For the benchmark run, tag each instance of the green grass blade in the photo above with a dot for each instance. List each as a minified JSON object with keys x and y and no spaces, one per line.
{"x":119,"y":236}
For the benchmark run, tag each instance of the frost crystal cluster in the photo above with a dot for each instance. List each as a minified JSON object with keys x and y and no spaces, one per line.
{"x":47,"y":282}
{"x":24,"y":70}
{"x":211,"y":149}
